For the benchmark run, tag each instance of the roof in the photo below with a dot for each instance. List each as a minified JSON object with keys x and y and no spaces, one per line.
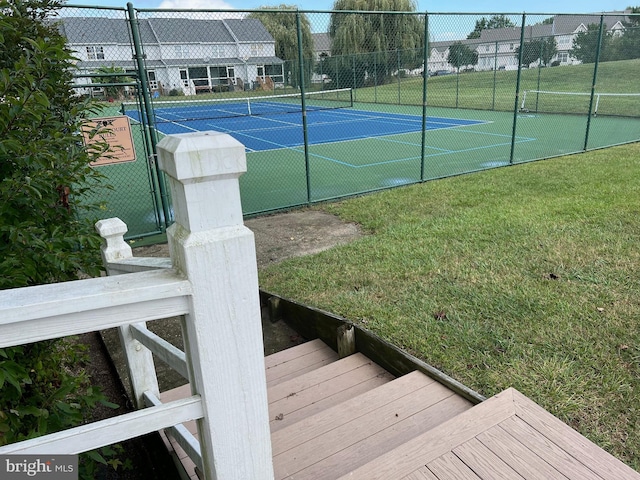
{"x":100,"y":30}
{"x":321,"y":42}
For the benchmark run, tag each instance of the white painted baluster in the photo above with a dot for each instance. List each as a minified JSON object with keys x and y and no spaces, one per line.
{"x":140,"y":366}
{"x":210,"y":244}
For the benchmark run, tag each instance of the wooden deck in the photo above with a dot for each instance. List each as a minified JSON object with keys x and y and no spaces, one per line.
{"x":349,"y":418}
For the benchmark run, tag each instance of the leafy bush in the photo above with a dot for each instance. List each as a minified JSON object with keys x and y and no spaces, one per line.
{"x":45,"y":174}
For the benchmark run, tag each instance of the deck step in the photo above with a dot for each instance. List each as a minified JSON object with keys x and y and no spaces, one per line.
{"x":342,"y":438}
{"x":329,"y":416}
{"x":325,"y":387}
{"x":298,"y":360}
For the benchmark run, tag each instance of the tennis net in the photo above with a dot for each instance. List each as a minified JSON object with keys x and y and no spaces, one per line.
{"x":185,"y":110}
{"x":618,"y":104}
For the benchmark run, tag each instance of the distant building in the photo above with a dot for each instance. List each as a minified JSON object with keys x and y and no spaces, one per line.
{"x":183,"y":54}
{"x":496,"y":48}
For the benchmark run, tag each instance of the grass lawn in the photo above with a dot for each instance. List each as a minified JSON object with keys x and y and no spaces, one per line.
{"x":496,"y":90}
{"x":525,"y":276}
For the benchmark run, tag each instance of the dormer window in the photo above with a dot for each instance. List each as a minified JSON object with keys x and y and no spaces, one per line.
{"x":95,"y":53}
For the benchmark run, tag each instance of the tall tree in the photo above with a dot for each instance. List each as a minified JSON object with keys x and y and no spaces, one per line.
{"x":461,"y":56}
{"x":282,"y":25}
{"x":496,"y":21}
{"x":627,"y":45}
{"x":585,"y":44}
{"x":543,"y":49}
{"x":376,"y":44}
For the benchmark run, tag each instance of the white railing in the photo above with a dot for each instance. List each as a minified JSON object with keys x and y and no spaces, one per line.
{"x":211,"y":279}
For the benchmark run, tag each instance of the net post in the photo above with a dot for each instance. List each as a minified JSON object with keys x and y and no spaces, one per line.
{"x":524,"y":99}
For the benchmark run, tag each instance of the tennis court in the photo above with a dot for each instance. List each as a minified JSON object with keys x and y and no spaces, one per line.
{"x":275,"y":122}
{"x":357,"y":147}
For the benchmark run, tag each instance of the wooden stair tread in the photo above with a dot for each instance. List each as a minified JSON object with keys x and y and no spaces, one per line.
{"x":295,"y":361}
{"x":330,"y":385}
{"x":342,"y":438}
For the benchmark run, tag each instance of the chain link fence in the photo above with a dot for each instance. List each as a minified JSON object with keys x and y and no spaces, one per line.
{"x":332,"y":104}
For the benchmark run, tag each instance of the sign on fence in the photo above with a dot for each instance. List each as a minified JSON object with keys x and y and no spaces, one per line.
{"x":116,"y":131}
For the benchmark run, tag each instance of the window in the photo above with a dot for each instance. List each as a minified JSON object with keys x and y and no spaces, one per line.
{"x":217,"y":51}
{"x":256,"y":49}
{"x":95,"y":53}
{"x":486,"y":48}
{"x":511,"y":46}
{"x":563,"y":57}
{"x":181,"y":51}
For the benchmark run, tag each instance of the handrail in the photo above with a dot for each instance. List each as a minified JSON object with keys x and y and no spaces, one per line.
{"x":44,"y":312}
{"x":107,"y":432}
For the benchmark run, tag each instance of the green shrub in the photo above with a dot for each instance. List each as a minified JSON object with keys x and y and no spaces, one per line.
{"x":45,"y":174}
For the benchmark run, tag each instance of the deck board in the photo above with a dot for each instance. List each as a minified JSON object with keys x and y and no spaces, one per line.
{"x":579,"y":447}
{"x":517,"y":455}
{"x":449,"y":467}
{"x":296,"y":361}
{"x":480,"y":438}
{"x":484,"y":462}
{"x":422,"y":474}
{"x":543,"y":447}
{"x":361,"y":440}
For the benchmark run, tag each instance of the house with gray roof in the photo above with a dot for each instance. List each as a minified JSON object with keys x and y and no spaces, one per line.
{"x":180,"y":53}
{"x":497,"y":48}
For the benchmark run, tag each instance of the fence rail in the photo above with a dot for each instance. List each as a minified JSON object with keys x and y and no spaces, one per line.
{"x":456,"y":82}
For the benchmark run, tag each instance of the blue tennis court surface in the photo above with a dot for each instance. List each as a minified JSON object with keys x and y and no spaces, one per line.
{"x":263,"y":132}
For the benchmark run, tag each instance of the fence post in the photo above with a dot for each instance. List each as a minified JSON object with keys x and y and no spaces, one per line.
{"x":140,"y":366}
{"x":223,"y":332}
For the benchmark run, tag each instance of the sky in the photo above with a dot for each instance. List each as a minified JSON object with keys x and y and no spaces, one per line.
{"x":443,"y":6}
{"x":456,"y":28}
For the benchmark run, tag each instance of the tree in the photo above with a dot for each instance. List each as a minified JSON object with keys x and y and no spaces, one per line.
{"x":44,"y":175}
{"x":627,"y":45}
{"x":112,"y":75}
{"x":585,"y":44}
{"x":283,"y":28}
{"x":377,"y":44}
{"x":460,"y":55}
{"x":543,"y":49}
{"x":548,"y":50}
{"x":497,"y":21}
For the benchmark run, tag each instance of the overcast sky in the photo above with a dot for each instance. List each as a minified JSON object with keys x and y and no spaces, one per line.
{"x":480,"y":6}
{"x":441,"y":29}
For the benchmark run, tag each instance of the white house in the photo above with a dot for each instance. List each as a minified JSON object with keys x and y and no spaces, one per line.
{"x":180,"y":53}
{"x":497,"y":48}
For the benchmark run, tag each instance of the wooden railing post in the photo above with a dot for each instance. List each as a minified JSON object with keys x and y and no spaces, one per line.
{"x":140,"y":366}
{"x":223,"y":333}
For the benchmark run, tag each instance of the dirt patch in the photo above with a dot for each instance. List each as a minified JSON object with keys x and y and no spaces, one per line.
{"x":286,"y":235}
